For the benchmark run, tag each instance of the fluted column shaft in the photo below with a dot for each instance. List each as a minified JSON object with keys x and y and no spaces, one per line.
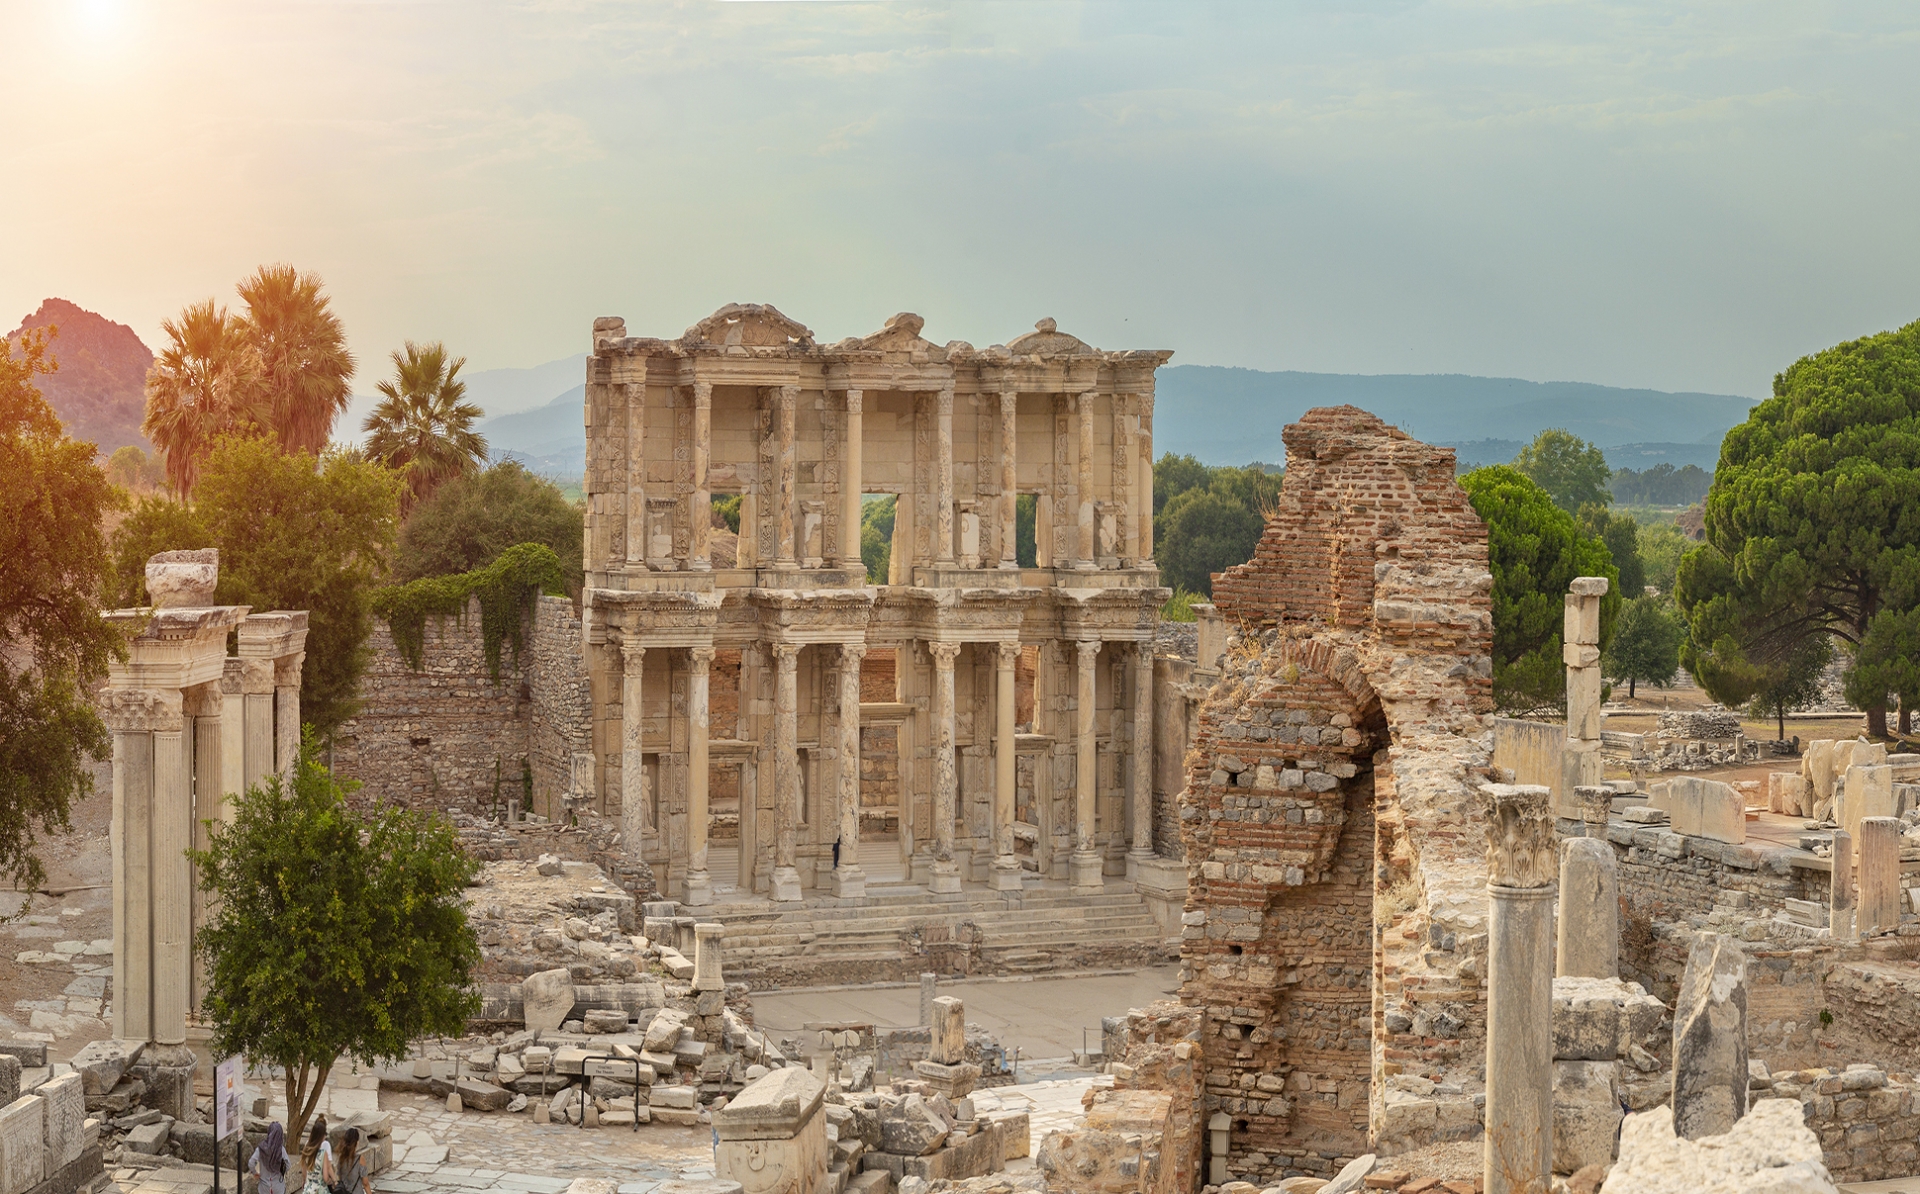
{"x":946,"y":780}
{"x":256,"y":682}
{"x":634,"y":394}
{"x":848,"y":879}
{"x":786,"y":771}
{"x":286,"y":714}
{"x":785,"y":397}
{"x":943,"y":479}
{"x":1142,"y":829}
{"x":1143,"y":489}
{"x":1009,"y":480}
{"x":850,"y":469}
{"x":1086,"y":863}
{"x":699,"y":889}
{"x":700,"y":499}
{"x":1083,"y":483}
{"x":635,"y":822}
{"x":1006,"y":867}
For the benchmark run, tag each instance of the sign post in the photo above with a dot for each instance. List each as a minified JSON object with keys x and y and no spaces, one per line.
{"x":226,"y":1116}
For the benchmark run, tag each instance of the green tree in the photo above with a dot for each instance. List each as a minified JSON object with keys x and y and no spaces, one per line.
{"x":470,"y":520}
{"x":1207,"y":518}
{"x":1646,"y":643}
{"x":1571,"y":470}
{"x":1660,"y":548}
{"x":337,"y":934}
{"x":1621,"y":534}
{"x":1792,"y":683}
{"x":727,"y":507}
{"x":53,"y":500}
{"x":1026,"y":530}
{"x":876,"y":537}
{"x":1536,"y":550}
{"x":423,"y":425}
{"x":304,"y":362}
{"x":132,"y":470}
{"x":293,"y":533}
{"x":1887,"y":662}
{"x":1813,"y":522}
{"x":206,"y":383}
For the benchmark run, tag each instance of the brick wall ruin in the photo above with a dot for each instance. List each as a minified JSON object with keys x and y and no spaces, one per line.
{"x":1335,"y":931}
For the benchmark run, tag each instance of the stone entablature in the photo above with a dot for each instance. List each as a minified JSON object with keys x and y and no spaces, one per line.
{"x":747,"y":402}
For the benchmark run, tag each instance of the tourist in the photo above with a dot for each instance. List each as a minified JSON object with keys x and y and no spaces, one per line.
{"x":352,"y":1167}
{"x":270,"y":1160}
{"x":316,"y":1160}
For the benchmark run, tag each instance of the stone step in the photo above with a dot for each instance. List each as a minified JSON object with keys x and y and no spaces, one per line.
{"x":1078,"y":928}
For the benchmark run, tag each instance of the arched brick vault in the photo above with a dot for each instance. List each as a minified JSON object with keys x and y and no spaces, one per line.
{"x":1335,"y":925}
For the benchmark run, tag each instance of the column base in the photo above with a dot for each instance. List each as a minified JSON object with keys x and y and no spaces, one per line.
{"x":1086,"y":872}
{"x":1135,"y":860}
{"x":786,"y":884}
{"x":850,"y":883}
{"x":699,"y":890}
{"x":1007,"y":874}
{"x":945,"y":879}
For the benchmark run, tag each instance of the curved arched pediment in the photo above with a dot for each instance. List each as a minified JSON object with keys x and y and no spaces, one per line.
{"x":749,"y":325}
{"x":1047,"y":340}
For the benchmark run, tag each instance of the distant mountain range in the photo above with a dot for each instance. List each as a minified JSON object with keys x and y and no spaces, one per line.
{"x":99,"y":391}
{"x":1235,"y":416}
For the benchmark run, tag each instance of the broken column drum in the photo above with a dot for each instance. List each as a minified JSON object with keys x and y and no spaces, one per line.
{"x":749,"y":647}
{"x":1581,"y":764}
{"x":1710,"y":1039}
{"x":1520,"y":885}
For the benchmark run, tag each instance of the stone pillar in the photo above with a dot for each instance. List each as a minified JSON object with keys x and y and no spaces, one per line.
{"x":1580,"y":647}
{"x":1589,"y":910}
{"x":786,"y":771}
{"x":946,"y":781}
{"x":1710,"y":1040}
{"x":634,"y":391}
{"x":1593,"y":806}
{"x":1518,"y":1156}
{"x":700,"y":500}
{"x":1143,"y":491}
{"x":943,"y":480}
{"x":946,"y":1069}
{"x":929,"y":991}
{"x":286,"y":714}
{"x":1840,"y":918}
{"x":172,"y":901}
{"x":1142,"y":776}
{"x":233,"y":728}
{"x":1009,"y":480}
{"x":204,"y":709}
{"x":785,"y":398}
{"x":1083,"y":486}
{"x":635,"y":825}
{"x":1086,"y":876}
{"x":1007,"y":873}
{"x":133,"y":716}
{"x":707,"y":944}
{"x":849,"y":881}
{"x":256,"y":682}
{"x":851,"y":463}
{"x":1880,"y":892}
{"x":699,"y":889}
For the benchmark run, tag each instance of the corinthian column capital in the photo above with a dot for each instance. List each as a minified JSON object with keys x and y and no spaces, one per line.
{"x":944,"y":654}
{"x":1521,"y":851}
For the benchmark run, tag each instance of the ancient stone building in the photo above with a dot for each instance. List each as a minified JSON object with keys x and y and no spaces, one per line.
{"x":978,"y":782}
{"x":1335,"y":936}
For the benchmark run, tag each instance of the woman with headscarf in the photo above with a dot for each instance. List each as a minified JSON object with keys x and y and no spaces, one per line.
{"x":316,"y":1160}
{"x":270,"y":1160}
{"x":352,"y":1167}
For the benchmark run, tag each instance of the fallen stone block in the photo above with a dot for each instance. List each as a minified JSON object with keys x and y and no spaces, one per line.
{"x":1586,"y":1114}
{"x":1770,"y":1149}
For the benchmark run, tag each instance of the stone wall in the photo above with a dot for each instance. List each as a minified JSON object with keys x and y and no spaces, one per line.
{"x":1335,"y":932}
{"x":431,"y":738}
{"x":560,"y":699}
{"x":1866,"y":1119}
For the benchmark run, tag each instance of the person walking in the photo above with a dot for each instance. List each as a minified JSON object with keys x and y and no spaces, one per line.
{"x":316,"y":1160}
{"x":270,"y":1161}
{"x":352,"y":1167}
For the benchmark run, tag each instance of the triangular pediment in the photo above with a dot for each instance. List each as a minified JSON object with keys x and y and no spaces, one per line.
{"x":901,"y":334}
{"x":749,"y":325}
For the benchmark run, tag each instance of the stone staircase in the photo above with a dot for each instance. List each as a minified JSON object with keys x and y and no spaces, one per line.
{"x":902,"y":930}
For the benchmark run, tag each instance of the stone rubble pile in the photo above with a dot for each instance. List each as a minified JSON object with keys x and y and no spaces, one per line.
{"x":1770,"y":1150}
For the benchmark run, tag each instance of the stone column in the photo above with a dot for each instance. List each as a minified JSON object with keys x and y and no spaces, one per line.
{"x":786,"y":771}
{"x":1083,"y":485}
{"x":1840,"y":918}
{"x":1880,"y":892}
{"x":943,"y":480}
{"x":1580,"y":646}
{"x":699,"y":890}
{"x":286,"y":714}
{"x":1589,"y":911}
{"x":634,"y":392}
{"x":946,"y":781}
{"x":785,"y":398}
{"x":1086,"y":876}
{"x":1007,"y":875}
{"x":1009,"y":480}
{"x":850,"y":473}
{"x":233,"y":728}
{"x":134,"y":716}
{"x":700,"y":500}
{"x":635,"y":825}
{"x":849,"y":881}
{"x":256,"y":681}
{"x":1518,"y":1156}
{"x":1710,"y":1075}
{"x":1143,"y":491}
{"x":1142,"y":777}
{"x":205,"y":709}
{"x":172,"y":884}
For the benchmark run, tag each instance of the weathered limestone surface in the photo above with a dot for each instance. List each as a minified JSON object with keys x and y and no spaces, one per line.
{"x":1842,"y":915}
{"x":1117,"y":1152}
{"x":1770,"y":1151}
{"x":548,"y":998}
{"x":1580,"y":646}
{"x":1707,"y":808}
{"x":1586,"y":1114}
{"x":773,"y":1136}
{"x":1589,"y":944}
{"x":1881,"y":893}
{"x":22,"y":1144}
{"x":1600,"y":1019}
{"x":1710,"y":1040}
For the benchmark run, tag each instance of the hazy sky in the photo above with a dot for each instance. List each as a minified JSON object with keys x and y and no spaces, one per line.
{"x":1684,"y":197}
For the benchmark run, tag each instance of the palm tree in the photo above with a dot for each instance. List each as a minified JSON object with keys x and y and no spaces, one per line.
{"x":303,"y":353}
{"x":423,"y":427}
{"x":206,"y":383}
